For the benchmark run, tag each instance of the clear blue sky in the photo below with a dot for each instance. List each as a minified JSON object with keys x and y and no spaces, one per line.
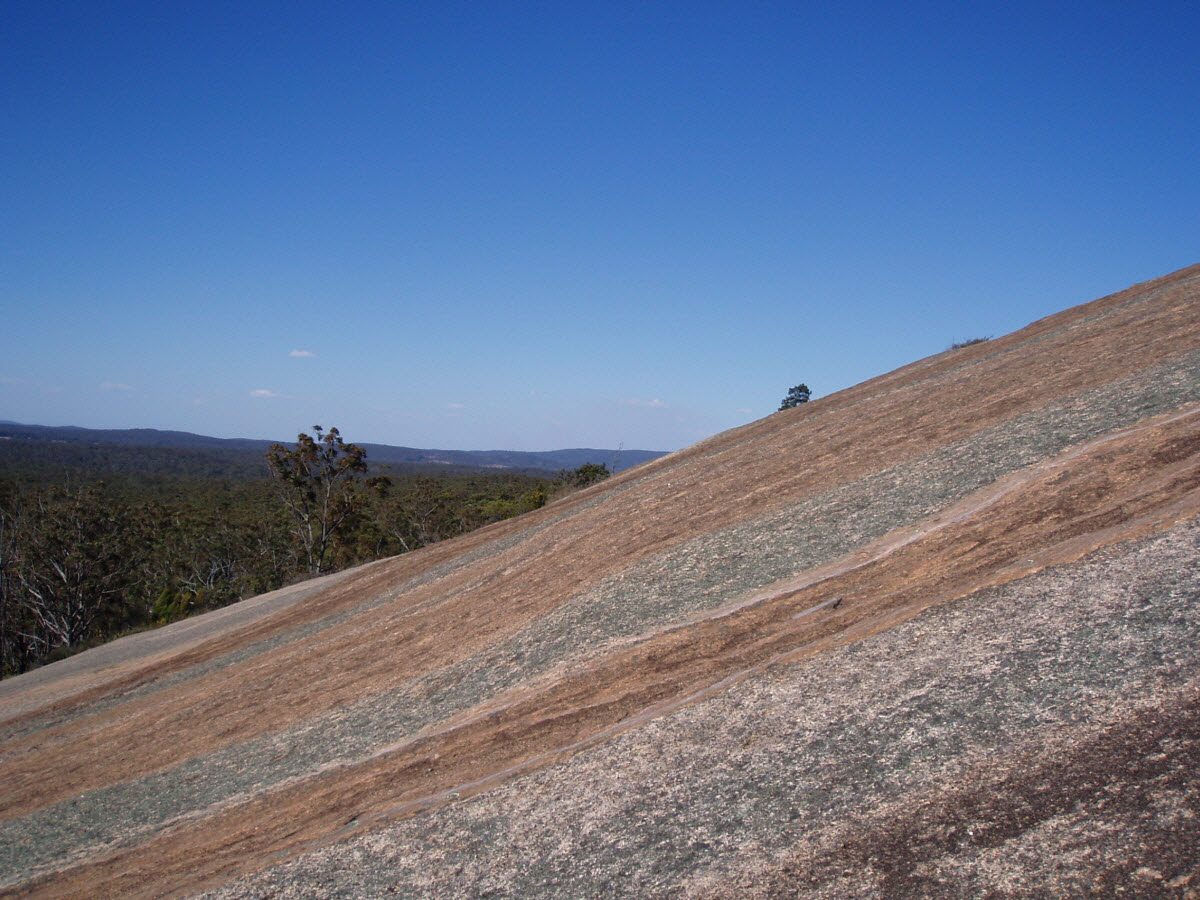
{"x":544,"y":225}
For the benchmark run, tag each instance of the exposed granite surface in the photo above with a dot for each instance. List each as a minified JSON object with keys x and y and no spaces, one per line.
{"x":932,"y":636}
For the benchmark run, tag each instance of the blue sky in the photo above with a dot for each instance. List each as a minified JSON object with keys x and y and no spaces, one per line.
{"x":543,"y":225}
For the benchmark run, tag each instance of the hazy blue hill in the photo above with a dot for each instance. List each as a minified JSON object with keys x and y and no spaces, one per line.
{"x":32,"y":457}
{"x":549,"y":461}
{"x":82,"y":446}
{"x":133,"y":437}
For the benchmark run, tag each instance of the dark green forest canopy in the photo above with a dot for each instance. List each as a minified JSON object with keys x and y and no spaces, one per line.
{"x":37,"y":461}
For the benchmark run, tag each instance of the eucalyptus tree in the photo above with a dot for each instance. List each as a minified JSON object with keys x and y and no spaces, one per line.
{"x":318,"y":484}
{"x":73,"y":563}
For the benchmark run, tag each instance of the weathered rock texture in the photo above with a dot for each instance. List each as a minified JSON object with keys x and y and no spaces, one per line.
{"x":932,"y":636}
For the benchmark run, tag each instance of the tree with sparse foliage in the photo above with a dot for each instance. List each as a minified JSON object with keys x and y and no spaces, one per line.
{"x":317,"y":484}
{"x":797,"y":395}
{"x":71,"y":563}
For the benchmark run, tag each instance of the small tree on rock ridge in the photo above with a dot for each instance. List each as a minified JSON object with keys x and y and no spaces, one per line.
{"x":587,"y":474}
{"x":797,"y":395}
{"x":317,"y":484}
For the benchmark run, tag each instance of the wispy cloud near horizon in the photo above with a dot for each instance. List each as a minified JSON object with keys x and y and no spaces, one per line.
{"x":302,"y":354}
{"x":264,"y":394}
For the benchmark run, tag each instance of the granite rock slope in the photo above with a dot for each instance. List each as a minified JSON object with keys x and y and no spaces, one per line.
{"x":934,"y":635}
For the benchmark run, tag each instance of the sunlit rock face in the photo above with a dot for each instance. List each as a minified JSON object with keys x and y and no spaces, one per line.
{"x":934,"y":635}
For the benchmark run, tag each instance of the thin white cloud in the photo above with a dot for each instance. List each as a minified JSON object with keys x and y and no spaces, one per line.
{"x":302,"y":354}
{"x":263,"y":394}
{"x":645,"y":404}
{"x":456,"y":406}
{"x":114,"y":386}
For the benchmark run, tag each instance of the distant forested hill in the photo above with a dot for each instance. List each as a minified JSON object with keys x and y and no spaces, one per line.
{"x":547,"y":461}
{"x":182,"y":453}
